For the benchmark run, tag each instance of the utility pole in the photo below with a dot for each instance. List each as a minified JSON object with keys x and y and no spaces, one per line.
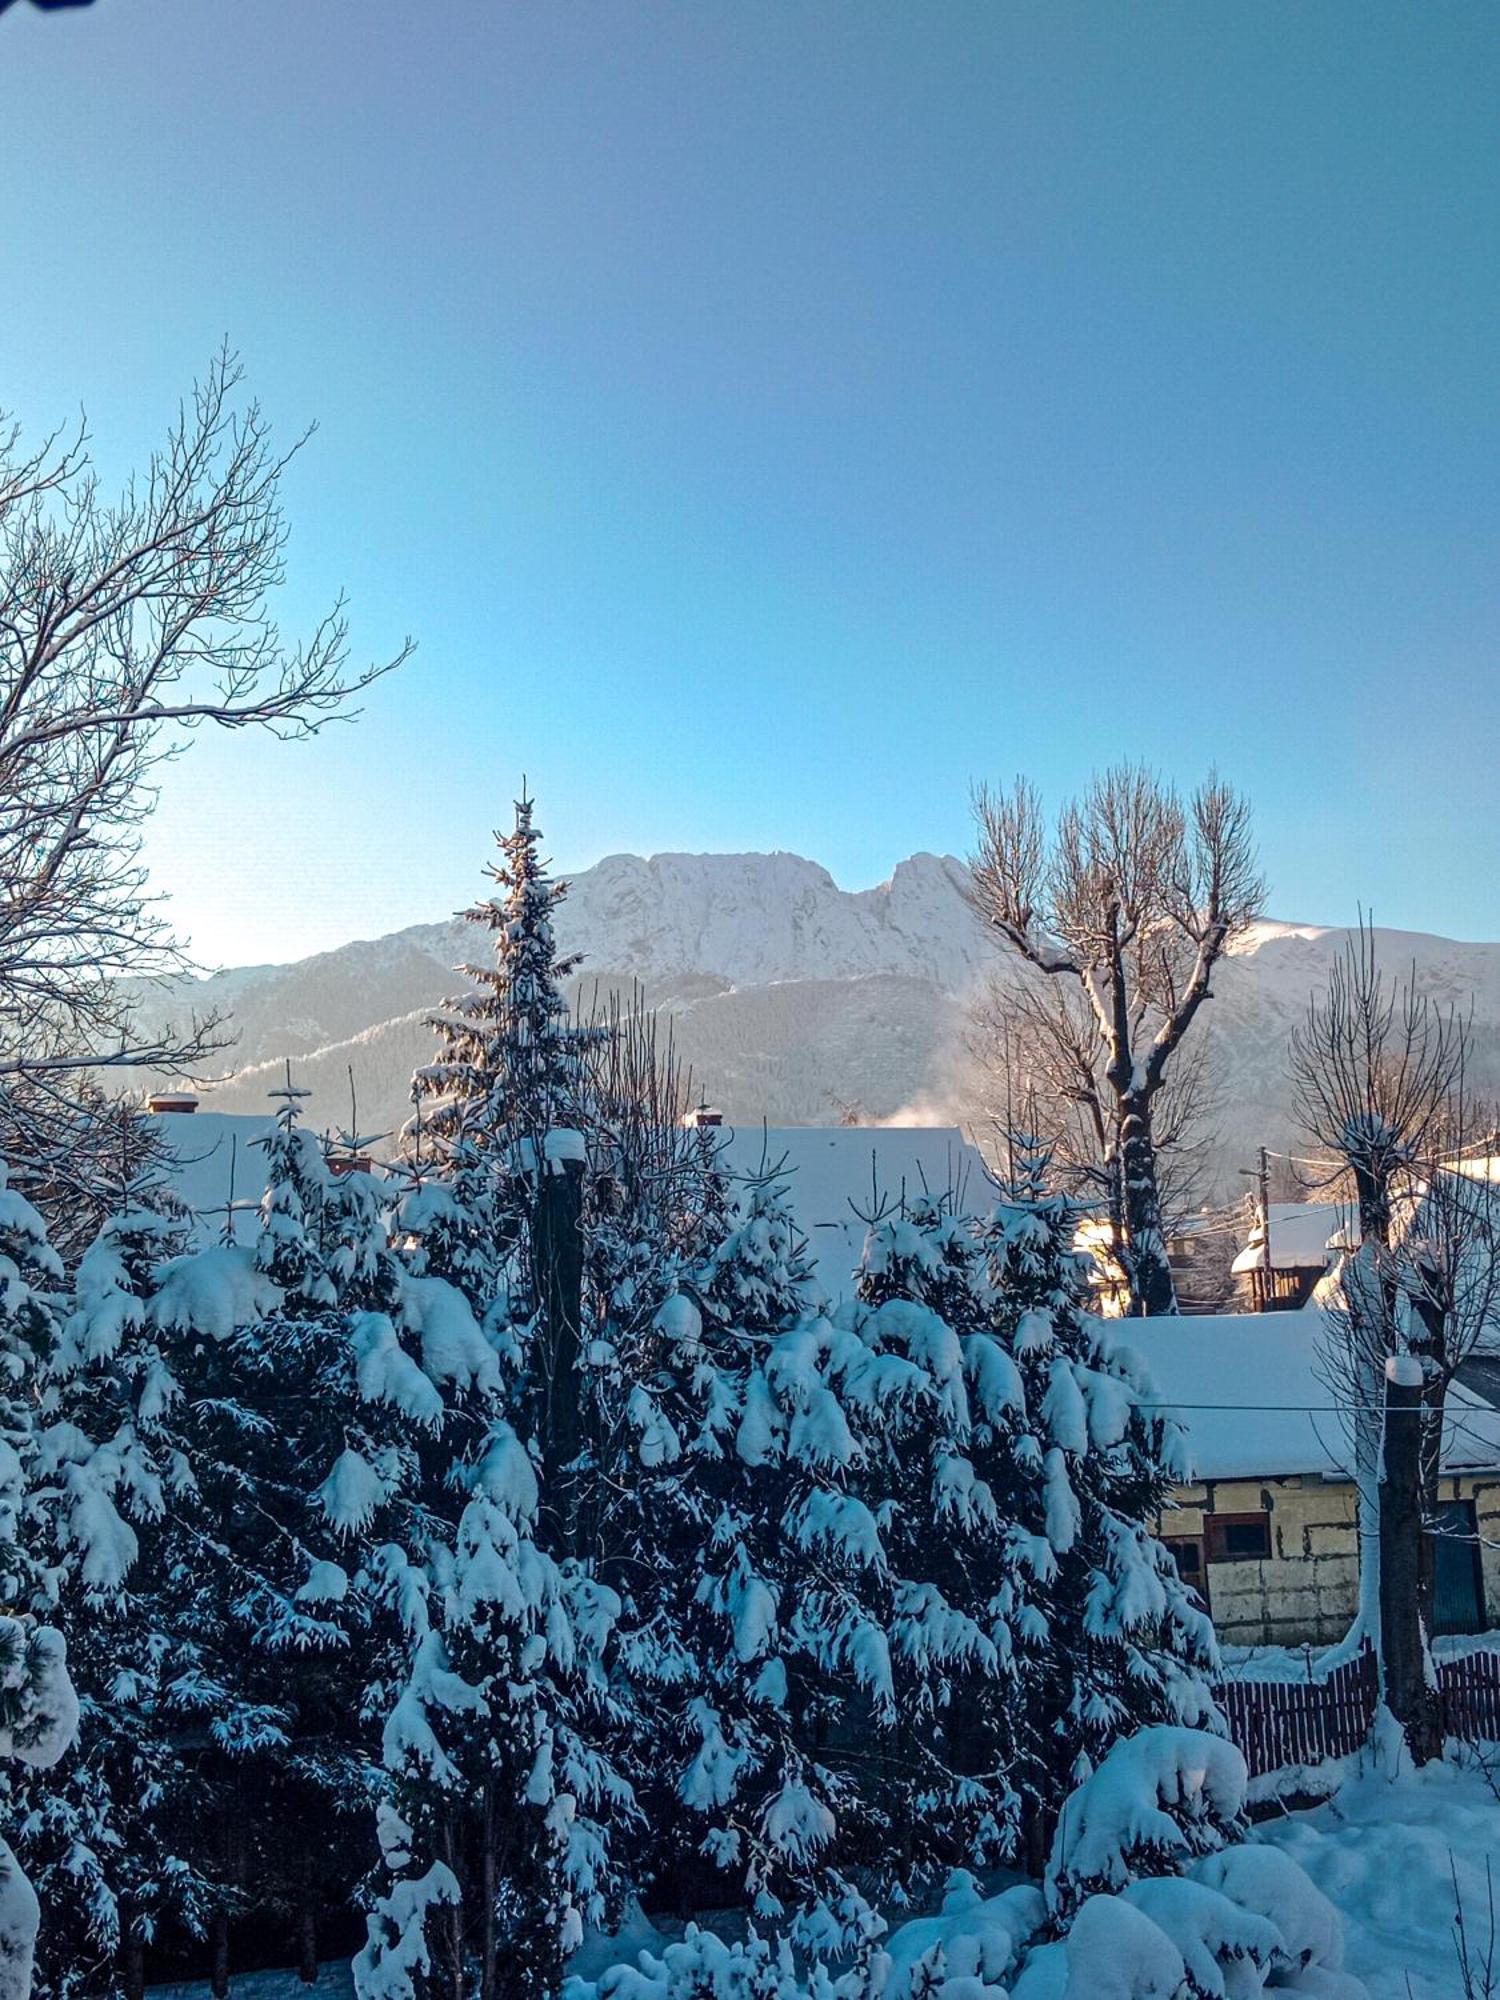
{"x":1262,"y":1178}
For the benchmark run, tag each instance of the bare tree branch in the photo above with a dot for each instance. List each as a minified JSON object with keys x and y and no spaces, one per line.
{"x":1134,"y":899}
{"x":124,"y":625}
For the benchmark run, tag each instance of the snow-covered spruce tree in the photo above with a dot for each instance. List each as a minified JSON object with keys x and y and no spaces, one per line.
{"x":38,"y":1707}
{"x":508,"y":1083}
{"x":100,"y":1836}
{"x":966,"y":1575}
{"x":289,"y":1247}
{"x":496,"y":1834}
{"x":333,"y":1419}
{"x":773,"y":1649}
{"x":226,"y":1453}
{"x":216,"y":1439}
{"x":1126,"y":1643}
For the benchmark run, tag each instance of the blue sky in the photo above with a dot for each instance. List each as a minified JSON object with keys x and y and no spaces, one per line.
{"x":769,"y":418}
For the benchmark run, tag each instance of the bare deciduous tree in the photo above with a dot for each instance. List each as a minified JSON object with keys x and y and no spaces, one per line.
{"x":1131,"y":899}
{"x":1379,"y":1074}
{"x":125,"y":624}
{"x":1035,"y":1042}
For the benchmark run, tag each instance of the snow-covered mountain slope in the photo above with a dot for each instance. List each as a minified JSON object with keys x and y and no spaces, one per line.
{"x":750,"y":919}
{"x":685,"y":925}
{"x":792,"y":999}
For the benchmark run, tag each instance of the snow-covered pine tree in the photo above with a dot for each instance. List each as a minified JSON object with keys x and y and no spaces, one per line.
{"x":38,"y":1707}
{"x":952,"y":1772}
{"x":771,"y":1647}
{"x":1127,"y":1645}
{"x":225,"y":1454}
{"x":508,"y":1082}
{"x":496,"y":1836}
{"x":100,"y":1837}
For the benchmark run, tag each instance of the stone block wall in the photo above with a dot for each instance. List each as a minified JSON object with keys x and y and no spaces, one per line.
{"x":1306,"y":1591}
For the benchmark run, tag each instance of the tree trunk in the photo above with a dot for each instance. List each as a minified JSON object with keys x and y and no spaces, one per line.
{"x":451,"y":1921}
{"x":133,"y":1955}
{"x":1372,"y":1195}
{"x":558,"y":1248}
{"x":218,"y":1961}
{"x":489,"y":1885}
{"x":307,"y":1931}
{"x":1429,"y":1343}
{"x":1408,"y":1687}
{"x":1152,"y":1290}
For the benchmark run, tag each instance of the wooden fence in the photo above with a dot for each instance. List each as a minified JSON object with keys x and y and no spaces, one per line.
{"x":1280,"y":1723}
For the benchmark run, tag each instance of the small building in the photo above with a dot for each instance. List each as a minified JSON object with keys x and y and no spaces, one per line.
{"x":1266,"y":1532}
{"x":216,"y":1164}
{"x":1199,"y":1249}
{"x":1304,"y":1235}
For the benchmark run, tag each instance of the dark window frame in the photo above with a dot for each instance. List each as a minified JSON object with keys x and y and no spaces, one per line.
{"x":1216,"y":1543}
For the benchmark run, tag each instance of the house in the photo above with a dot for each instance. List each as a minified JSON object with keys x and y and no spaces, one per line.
{"x":837,"y":1175}
{"x":1266,"y":1532}
{"x":1281,"y":1277}
{"x":216,"y":1164}
{"x":1199,"y":1249}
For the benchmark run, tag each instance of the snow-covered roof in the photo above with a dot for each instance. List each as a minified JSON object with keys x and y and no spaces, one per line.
{"x":1299,"y":1237}
{"x":831,"y":1166}
{"x":827,"y":1168}
{"x":215,"y":1156}
{"x":1248,"y":1388}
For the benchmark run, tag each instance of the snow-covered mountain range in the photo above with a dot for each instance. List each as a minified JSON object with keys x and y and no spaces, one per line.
{"x":793,"y":1000}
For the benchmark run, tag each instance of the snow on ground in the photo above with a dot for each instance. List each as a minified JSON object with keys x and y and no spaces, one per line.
{"x":335,"y":1982}
{"x":1385,"y":1852}
{"x":1304,"y":1663}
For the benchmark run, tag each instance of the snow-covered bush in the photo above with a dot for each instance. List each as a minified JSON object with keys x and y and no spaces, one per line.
{"x":701,"y":1966}
{"x":1159,"y":1799}
{"x":969,"y":1951}
{"x":1138,"y":1916}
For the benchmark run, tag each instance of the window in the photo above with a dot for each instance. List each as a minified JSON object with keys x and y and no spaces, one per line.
{"x":1238,"y":1537}
{"x":1187,"y":1552}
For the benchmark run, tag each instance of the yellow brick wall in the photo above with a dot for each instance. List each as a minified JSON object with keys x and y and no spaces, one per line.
{"x":1305,"y":1593}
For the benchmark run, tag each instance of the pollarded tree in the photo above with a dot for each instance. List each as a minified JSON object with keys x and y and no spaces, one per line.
{"x":1380,"y":1077}
{"x":1133,"y":898}
{"x":1035,"y":1042}
{"x":1126,"y":1645}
